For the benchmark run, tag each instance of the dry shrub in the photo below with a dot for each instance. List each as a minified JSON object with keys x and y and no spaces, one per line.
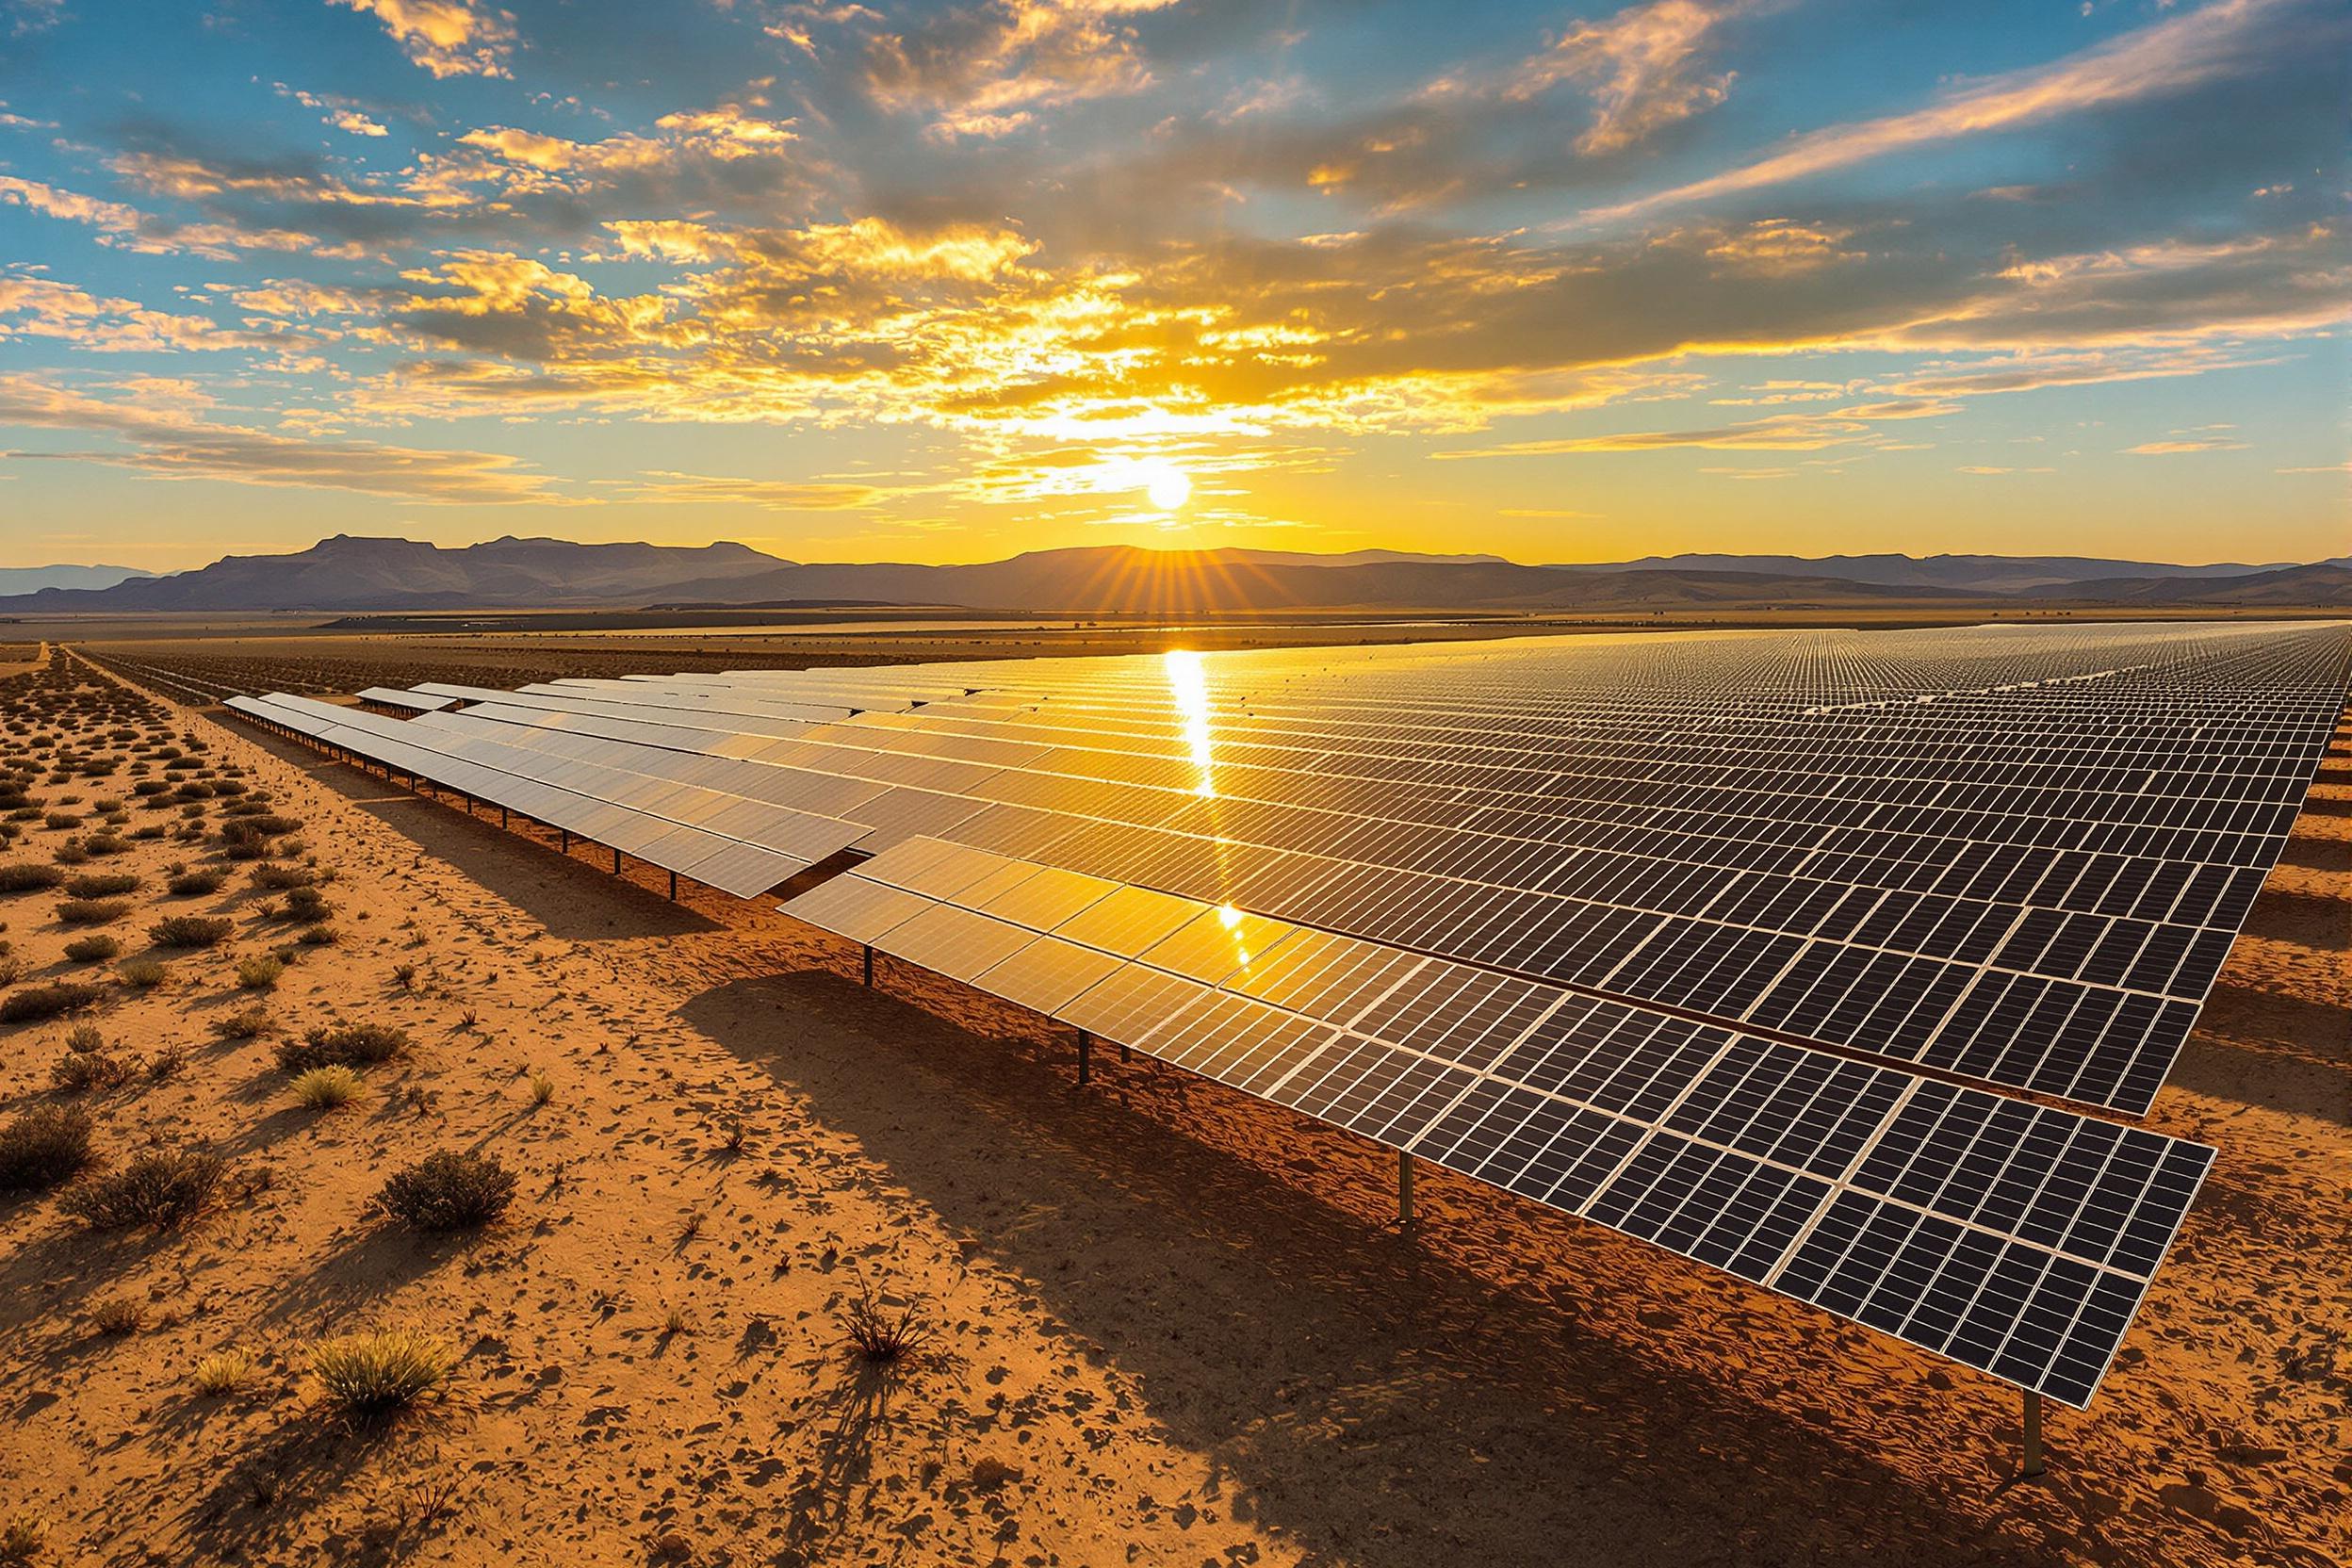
{"x":44,"y":1146}
{"x":93,"y":948}
{"x":223,"y":1373}
{"x":92,"y":911}
{"x":163,"y":1188}
{"x":49,"y":1001}
{"x":259,"y":972}
{"x":194,"y":884}
{"x":91,"y":1073}
{"x":243,"y":1025}
{"x":343,"y":1045}
{"x":191,"y":931}
{"x":102,"y":885}
{"x":144,"y":974}
{"x":448,"y":1191}
{"x":885,"y":1336}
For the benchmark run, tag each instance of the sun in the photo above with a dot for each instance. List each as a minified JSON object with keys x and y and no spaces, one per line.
{"x":1167,"y":487}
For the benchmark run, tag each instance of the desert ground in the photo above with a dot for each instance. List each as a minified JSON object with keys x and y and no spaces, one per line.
{"x":1166,"y":1324}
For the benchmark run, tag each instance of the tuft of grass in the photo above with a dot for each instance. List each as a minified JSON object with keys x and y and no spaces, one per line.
{"x":372,"y":1378}
{"x":259,"y":972}
{"x":23,"y":1539}
{"x":343,"y":1045}
{"x":49,"y":1001}
{"x":541,"y":1088}
{"x":92,"y":911}
{"x":222,"y":1373}
{"x":884,"y":1336}
{"x":404,"y":975}
{"x":120,"y":1317}
{"x":448,"y":1191}
{"x":319,"y":935}
{"x":163,"y":1188}
{"x":95,"y":949}
{"x":191,"y":931}
{"x":91,"y":1073}
{"x":323,"y":1088}
{"x":144,"y":974}
{"x":277,"y":875}
{"x":43,"y":1147}
{"x":244,"y":1024}
{"x":167,"y":1063}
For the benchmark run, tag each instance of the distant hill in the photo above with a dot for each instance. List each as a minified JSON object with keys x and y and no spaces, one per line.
{"x":2327,"y":585}
{"x":1989,"y":574}
{"x":31,"y":580}
{"x":372,"y":575}
{"x":350,"y":573}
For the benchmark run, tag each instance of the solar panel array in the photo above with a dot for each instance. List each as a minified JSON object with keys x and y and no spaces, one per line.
{"x":2015,"y":1238}
{"x":1756,"y":883}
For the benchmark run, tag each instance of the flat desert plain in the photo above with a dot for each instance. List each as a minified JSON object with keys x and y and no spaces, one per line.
{"x":1166,"y":1324}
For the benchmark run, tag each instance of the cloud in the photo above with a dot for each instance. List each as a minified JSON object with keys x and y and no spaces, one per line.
{"x":2222,"y":39}
{"x":768,"y":495}
{"x":2179,"y":445}
{"x":178,"y":445}
{"x":134,"y":230}
{"x":449,"y":37}
{"x":989,"y":70}
{"x":1645,"y":66}
{"x":44,"y":308}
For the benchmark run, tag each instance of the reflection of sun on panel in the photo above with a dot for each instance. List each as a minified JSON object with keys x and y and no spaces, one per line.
{"x":1188,"y":685}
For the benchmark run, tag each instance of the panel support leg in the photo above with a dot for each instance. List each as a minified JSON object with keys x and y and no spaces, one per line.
{"x":673,"y":887}
{"x":2033,"y":1464}
{"x":1404,"y":1189}
{"x":501,"y":816}
{"x":1086,"y":1055}
{"x":564,"y":836}
{"x":869,"y":976}
{"x":616,"y":862}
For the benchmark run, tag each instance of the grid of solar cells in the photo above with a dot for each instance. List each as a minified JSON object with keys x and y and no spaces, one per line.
{"x":739,"y":845}
{"x":2014,"y":854}
{"x":2016,"y":1240}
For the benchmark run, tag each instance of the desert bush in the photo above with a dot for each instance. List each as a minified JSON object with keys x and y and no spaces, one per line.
{"x":85,"y":1037}
{"x":307,"y":904}
{"x":103,"y":884}
{"x":244,"y":1024}
{"x":541,"y":1088}
{"x":152,"y":831}
{"x":162,"y":1188}
{"x":278,"y":874}
{"x":91,"y":1073}
{"x":320,"y":936}
{"x":60,"y":821}
{"x":881,"y":1335}
{"x":167,"y":1063}
{"x":259,"y":972}
{"x":144,"y":974}
{"x":93,"y":950}
{"x":119,"y":1317}
{"x":49,"y":1001}
{"x":343,"y":1045}
{"x":323,"y":1088}
{"x":222,"y":1373}
{"x":191,"y":930}
{"x":448,"y":1191}
{"x":70,"y":853}
{"x":92,"y":911}
{"x":105,"y":843}
{"x":44,"y":1147}
{"x":146,"y":786}
{"x":11,"y":969}
{"x":371,"y":1377}
{"x":193,"y":884}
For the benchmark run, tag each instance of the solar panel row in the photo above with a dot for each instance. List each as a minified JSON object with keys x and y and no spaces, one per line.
{"x":2015,"y":1238}
{"x":2032,"y":883}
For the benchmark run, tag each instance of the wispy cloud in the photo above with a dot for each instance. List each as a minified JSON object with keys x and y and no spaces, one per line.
{"x":2222,"y":39}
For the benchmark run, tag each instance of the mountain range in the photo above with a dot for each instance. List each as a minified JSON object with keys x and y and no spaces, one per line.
{"x":351,"y":574}
{"x":31,"y":580}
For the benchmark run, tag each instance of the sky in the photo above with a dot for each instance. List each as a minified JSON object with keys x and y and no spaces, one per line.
{"x":949,"y":282}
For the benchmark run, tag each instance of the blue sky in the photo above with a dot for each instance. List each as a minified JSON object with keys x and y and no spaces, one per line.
{"x":947,"y":281}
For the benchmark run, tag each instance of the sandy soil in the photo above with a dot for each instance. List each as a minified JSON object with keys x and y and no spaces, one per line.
{"x":1176,"y":1325}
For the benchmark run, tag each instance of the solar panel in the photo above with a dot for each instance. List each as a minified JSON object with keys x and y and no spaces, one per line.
{"x":1681,"y":933}
{"x":2023,"y":1235}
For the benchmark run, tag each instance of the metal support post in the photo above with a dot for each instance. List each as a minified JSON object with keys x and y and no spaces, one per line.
{"x":869,"y":963}
{"x":565,"y":836}
{"x":1086,"y":1055}
{"x":616,"y":862}
{"x":673,"y":887}
{"x":1404,"y":1188}
{"x":2033,"y":1465}
{"x":501,"y":816}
